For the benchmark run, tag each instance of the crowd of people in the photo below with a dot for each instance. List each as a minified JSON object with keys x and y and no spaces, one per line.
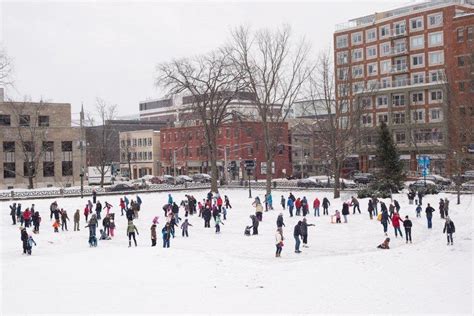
{"x":215,"y":207}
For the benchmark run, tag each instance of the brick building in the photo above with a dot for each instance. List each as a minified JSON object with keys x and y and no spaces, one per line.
{"x":140,"y":153}
{"x":406,"y":67}
{"x":42,"y":132}
{"x":184,"y":148}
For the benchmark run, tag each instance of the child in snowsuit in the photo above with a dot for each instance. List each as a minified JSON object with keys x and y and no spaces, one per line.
{"x":56,"y":226}
{"x":184,"y":227}
{"x":92,"y":230}
{"x":166,"y":234}
{"x":385,"y":244}
{"x":30,"y":244}
{"x":218,"y":222}
{"x":338,"y":217}
{"x":418,"y":211}
{"x":279,"y":242}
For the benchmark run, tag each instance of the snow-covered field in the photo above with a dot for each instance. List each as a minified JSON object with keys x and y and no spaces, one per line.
{"x":341,"y":272}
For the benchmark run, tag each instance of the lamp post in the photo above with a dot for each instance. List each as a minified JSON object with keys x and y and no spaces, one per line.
{"x":82,"y":181}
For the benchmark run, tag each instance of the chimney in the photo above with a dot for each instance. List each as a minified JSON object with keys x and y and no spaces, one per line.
{"x":2,"y":96}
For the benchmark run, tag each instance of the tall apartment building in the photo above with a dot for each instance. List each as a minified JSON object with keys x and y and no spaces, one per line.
{"x":36,"y":139}
{"x":409,"y":67}
{"x":140,"y":153}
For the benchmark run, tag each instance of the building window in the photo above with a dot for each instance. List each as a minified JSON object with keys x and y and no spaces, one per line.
{"x":417,"y":61}
{"x":367,"y":120}
{"x":139,"y":142}
{"x":372,"y":69}
{"x":384,"y":31}
{"x":358,"y":87}
{"x":400,"y":28}
{"x":48,"y":151}
{"x":342,"y":73}
{"x":461,"y":61}
{"x":435,"y":20}
{"x":342,"y":59}
{"x":356,"y":38}
{"x":436,"y":96}
{"x":435,"y":115}
{"x":461,"y":86}
{"x":470,"y":33}
{"x":48,"y":169}
{"x":398,"y":118}
{"x":371,"y":52}
{"x":418,"y":115}
{"x":382,"y":101}
{"x":5,"y":120}
{"x":366,"y":103}
{"x":150,"y":155}
{"x":435,"y":39}
{"x":416,"y":24}
{"x":436,"y":58}
{"x":398,"y":100}
{"x":400,"y":137}
{"x":417,"y":42}
{"x":384,"y":49}
{"x":341,"y":41}
{"x":66,"y":149}
{"x":371,"y":35}
{"x":357,"y":54}
{"x":385,"y":66}
{"x":382,"y":118}
{"x":418,"y":78}
{"x":149,"y":141}
{"x":29,"y":169}
{"x":417,"y":97}
{"x":43,"y":121}
{"x":460,"y":35}
{"x":436,"y":76}
{"x":24,"y":120}
{"x":66,"y":168}
{"x":357,"y":71}
{"x":386,"y":82}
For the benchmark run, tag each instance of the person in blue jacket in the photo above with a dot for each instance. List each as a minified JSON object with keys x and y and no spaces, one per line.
{"x":385,"y":220}
{"x":291,"y":205}
{"x":166,"y":233}
{"x":170,"y":199}
{"x":270,"y":201}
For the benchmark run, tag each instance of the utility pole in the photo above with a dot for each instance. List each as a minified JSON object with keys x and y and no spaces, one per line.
{"x":302,"y":154}
{"x":82,"y":149}
{"x":174,"y":166}
{"x":225,"y":164}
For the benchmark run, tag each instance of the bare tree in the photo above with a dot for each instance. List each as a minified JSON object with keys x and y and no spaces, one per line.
{"x":103,"y":136}
{"x":5,"y":69}
{"x":31,"y":132}
{"x":125,"y":149}
{"x":275,"y":69}
{"x":339,"y":112}
{"x":210,"y":82}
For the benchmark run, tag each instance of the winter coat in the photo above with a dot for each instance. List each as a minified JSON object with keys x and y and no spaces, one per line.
{"x":56,"y":213}
{"x":207,"y":214}
{"x":297,"y":230}
{"x":185,"y":224}
{"x":316,"y":203}
{"x":429,"y":211}
{"x":278,"y":238}
{"x":396,"y":220}
{"x":153,"y":231}
{"x":370,"y":207}
{"x":122,"y":203}
{"x":385,"y":217}
{"x":77,"y":217}
{"x":86,"y":211}
{"x":170,"y":199}
{"x":345,"y":209}
{"x":139,"y":200}
{"x":166,"y":232}
{"x":26,"y":215}
{"x":290,"y":203}
{"x":98,"y":207}
{"x":106,"y":222}
{"x":397,"y":205}
{"x":304,"y":228}
{"x":298,"y":203}
{"x":13,"y":209}
{"x":280,"y":221}
{"x":407,"y":223}
{"x":131,"y":228}
{"x":24,"y":235}
{"x":64,"y":216}
{"x":326,"y":202}
{"x":259,"y":208}
{"x":36,"y":218}
{"x":219,"y":201}
{"x":292,"y":197}
{"x":354,"y":201}
{"x":449,"y":227}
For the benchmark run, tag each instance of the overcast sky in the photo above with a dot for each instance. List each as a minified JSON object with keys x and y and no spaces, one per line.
{"x":74,"y":52}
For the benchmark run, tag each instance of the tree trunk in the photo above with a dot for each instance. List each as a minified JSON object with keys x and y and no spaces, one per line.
{"x":102,"y":171}
{"x":268,"y":157}
{"x":337,"y":192}
{"x":129,"y":170}
{"x":214,"y":171}
{"x":30,"y":182}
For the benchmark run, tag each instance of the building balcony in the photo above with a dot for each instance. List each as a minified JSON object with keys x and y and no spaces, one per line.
{"x":400,"y":85}
{"x":397,"y":33}
{"x":398,"y":51}
{"x":399,"y":69}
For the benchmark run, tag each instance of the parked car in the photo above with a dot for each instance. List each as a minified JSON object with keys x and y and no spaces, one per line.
{"x":185,"y":178}
{"x":309,"y":183}
{"x":468,"y":186}
{"x":363,"y":178}
{"x":121,"y":187}
{"x":156,"y":180}
{"x":436,"y":179}
{"x":201,"y":177}
{"x":429,"y":187}
{"x":167,"y":179}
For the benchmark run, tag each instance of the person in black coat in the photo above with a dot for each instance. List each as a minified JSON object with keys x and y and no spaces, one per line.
{"x":24,"y":239}
{"x":297,"y":234}
{"x":325,"y":206}
{"x":407,"y":224}
{"x":255,"y":223}
{"x":449,"y":229}
{"x":304,"y":232}
{"x":13,"y":213}
{"x":98,"y":209}
{"x":345,"y":211}
{"x":429,"y":214}
{"x":280,"y":223}
{"x":420,"y":198}
{"x":206,"y":214}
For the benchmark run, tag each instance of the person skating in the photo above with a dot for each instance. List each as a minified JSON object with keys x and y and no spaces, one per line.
{"x":304,"y":232}
{"x":13,"y":213}
{"x":280,"y":222}
{"x":391,"y":210}
{"x":218,"y":224}
{"x":27,"y":217}
{"x":219,"y":203}
{"x":370,"y":209}
{"x":270,"y":201}
{"x":255,"y":224}
{"x":384,"y":220}
{"x":298,"y":206}
{"x":227,"y":202}
{"x":153,"y":234}
{"x":345,"y":211}
{"x":98,"y":210}
{"x":449,"y":229}
{"x":279,"y":242}
{"x":326,"y":204}
{"x":94,"y":196}
{"x":112,"y":227}
{"x":106,"y":224}
{"x":122,"y":206}
{"x":283,"y":202}
{"x":36,"y":222}
{"x":338,"y":217}
{"x":77,"y":218}
{"x":170,"y":200}
{"x":296,"y":235}
{"x":56,"y":225}
{"x":397,"y":205}
{"x":64,"y":219}
{"x":316,"y":204}
{"x":429,"y":215}
{"x":30,"y":243}
{"x":206,"y":215}
{"x":166,"y":235}
{"x":418,"y":210}
{"x":441,"y":208}
{"x":92,"y":225}
{"x":304,"y":206}
{"x":375,"y":203}
{"x":52,"y":207}
{"x":446,"y":206}
{"x":258,"y":209}
{"x":131,"y":229}
{"x":420,"y":198}
{"x":407,"y":224}
{"x":86,"y":212}
{"x":355,"y":204}
{"x":396,"y":224}
{"x":385,"y":244}
{"x":108,"y":206}
{"x":24,"y":239}
{"x":127,"y":201}
{"x":184,"y":228}
{"x":291,"y":205}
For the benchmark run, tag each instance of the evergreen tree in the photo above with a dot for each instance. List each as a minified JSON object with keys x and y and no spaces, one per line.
{"x":388,"y":160}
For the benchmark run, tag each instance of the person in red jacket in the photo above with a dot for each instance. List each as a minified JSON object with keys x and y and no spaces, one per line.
{"x":316,"y":205}
{"x":86,"y":212}
{"x":219,"y":203}
{"x":122,"y":205}
{"x":396,"y":223}
{"x":27,"y":217}
{"x":298,"y":206}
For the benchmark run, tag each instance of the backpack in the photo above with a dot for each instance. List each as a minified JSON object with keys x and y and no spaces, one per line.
{"x":379,"y":217}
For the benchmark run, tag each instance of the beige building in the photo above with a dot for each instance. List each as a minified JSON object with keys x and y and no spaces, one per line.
{"x":38,"y":146}
{"x":140,"y":153}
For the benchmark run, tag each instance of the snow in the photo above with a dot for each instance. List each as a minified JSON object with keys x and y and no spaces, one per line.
{"x":341,"y":272}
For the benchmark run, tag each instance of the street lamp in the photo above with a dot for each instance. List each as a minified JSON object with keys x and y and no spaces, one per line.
{"x":82,"y":181}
